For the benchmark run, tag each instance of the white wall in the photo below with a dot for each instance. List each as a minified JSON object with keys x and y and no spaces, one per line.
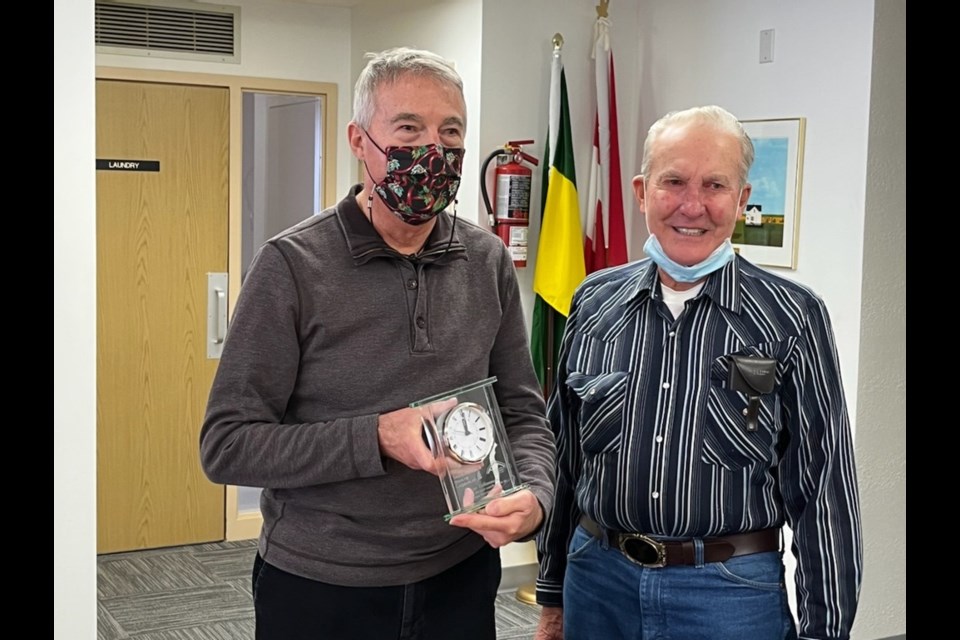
{"x":74,"y":323}
{"x":881,"y":443}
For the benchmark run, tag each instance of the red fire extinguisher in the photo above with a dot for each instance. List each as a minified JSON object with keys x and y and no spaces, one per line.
{"x":511,"y":218}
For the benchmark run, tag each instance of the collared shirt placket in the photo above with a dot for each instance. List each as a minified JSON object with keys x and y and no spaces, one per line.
{"x":667,"y":331}
{"x":414,"y":284}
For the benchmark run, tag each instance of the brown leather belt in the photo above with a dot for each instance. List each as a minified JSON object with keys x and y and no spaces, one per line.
{"x":648,"y":552}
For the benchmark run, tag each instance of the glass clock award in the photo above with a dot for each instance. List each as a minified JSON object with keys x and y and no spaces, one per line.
{"x":464,"y":430}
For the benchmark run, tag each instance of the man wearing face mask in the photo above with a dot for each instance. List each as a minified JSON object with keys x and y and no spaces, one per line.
{"x":342,"y":322}
{"x":698,"y":409}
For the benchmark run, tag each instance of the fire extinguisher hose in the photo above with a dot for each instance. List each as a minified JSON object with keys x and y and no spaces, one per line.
{"x":483,"y":183}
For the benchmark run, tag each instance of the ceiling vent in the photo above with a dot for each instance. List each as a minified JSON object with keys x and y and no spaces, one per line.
{"x":167,"y":29}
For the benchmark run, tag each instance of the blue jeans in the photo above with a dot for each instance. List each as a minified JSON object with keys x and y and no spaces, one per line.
{"x":605,"y":596}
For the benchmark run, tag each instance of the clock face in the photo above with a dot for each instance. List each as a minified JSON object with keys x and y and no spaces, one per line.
{"x":468,"y":432}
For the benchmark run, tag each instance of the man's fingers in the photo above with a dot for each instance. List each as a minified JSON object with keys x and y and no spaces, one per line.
{"x":501,"y":506}
{"x":485,"y":523}
{"x":442,"y":406}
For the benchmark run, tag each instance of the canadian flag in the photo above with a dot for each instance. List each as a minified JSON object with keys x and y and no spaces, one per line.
{"x":605,"y":244}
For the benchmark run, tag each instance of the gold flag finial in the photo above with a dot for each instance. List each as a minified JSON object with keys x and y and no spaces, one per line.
{"x":557,"y":42}
{"x":603,"y":8}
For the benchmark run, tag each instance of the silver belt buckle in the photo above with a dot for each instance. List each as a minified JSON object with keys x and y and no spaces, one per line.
{"x":643,"y":550}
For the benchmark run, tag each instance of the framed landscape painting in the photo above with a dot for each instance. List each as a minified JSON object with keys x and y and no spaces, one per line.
{"x":767,"y":233}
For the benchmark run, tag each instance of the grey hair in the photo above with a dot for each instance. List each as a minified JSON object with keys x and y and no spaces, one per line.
{"x":388,"y":66}
{"x":714,"y":116}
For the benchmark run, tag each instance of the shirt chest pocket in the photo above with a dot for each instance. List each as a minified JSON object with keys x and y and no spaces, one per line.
{"x":727,"y":440}
{"x":602,"y":397}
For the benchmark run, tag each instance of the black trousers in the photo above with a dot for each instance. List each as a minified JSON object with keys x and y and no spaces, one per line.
{"x":457,"y":604}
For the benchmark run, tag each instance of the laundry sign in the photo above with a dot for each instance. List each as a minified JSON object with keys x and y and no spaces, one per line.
{"x":127,"y":165}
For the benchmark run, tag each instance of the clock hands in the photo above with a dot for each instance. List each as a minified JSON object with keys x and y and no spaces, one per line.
{"x":468,"y":435}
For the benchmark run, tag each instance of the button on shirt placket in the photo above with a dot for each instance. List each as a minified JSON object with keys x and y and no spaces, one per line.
{"x":667,"y":398}
{"x":414,"y":286}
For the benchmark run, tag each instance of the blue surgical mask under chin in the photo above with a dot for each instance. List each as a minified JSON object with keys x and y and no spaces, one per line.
{"x":680,"y":273}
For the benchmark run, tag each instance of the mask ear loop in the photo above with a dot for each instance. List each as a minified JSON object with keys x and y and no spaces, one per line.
{"x":370,"y":195}
{"x":453,"y":227}
{"x":370,"y":175}
{"x":370,"y":213}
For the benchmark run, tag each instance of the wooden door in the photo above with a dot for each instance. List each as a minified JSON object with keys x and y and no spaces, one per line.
{"x":159,"y":233}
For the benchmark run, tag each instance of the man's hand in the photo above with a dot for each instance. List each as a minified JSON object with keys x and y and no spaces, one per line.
{"x":550,"y":625}
{"x":504,"y":520}
{"x":400,"y":434}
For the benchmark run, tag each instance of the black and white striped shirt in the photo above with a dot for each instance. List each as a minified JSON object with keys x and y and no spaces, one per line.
{"x":652,"y":439}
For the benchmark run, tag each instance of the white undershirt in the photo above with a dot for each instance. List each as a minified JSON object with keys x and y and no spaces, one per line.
{"x":676,"y":299}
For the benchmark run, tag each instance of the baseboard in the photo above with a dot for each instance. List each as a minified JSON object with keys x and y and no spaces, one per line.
{"x":244,"y":526}
{"x":515,"y":576}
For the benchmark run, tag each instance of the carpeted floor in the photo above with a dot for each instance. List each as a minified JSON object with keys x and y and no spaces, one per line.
{"x":202,"y":592}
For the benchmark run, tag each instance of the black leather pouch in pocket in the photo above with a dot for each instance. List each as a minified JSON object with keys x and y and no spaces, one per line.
{"x":753,"y":376}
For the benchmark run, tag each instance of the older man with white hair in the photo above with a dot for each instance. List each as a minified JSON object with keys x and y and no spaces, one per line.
{"x":698,"y":410}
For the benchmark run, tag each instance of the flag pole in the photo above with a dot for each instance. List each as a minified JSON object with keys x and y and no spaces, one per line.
{"x":550,"y":364}
{"x":527,"y":592}
{"x":551,"y":312}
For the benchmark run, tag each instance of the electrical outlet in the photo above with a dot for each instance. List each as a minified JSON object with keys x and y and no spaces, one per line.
{"x":766,"y":45}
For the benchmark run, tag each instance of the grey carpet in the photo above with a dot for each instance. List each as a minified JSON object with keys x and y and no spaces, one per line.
{"x":202,"y":592}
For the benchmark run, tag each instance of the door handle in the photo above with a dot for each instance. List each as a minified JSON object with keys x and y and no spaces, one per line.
{"x":221,"y":313}
{"x":216,"y":313}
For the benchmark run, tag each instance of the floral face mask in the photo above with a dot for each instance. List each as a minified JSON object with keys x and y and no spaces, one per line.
{"x":421,"y":181}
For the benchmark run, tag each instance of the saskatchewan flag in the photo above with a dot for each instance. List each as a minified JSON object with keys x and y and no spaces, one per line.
{"x":560,"y":263}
